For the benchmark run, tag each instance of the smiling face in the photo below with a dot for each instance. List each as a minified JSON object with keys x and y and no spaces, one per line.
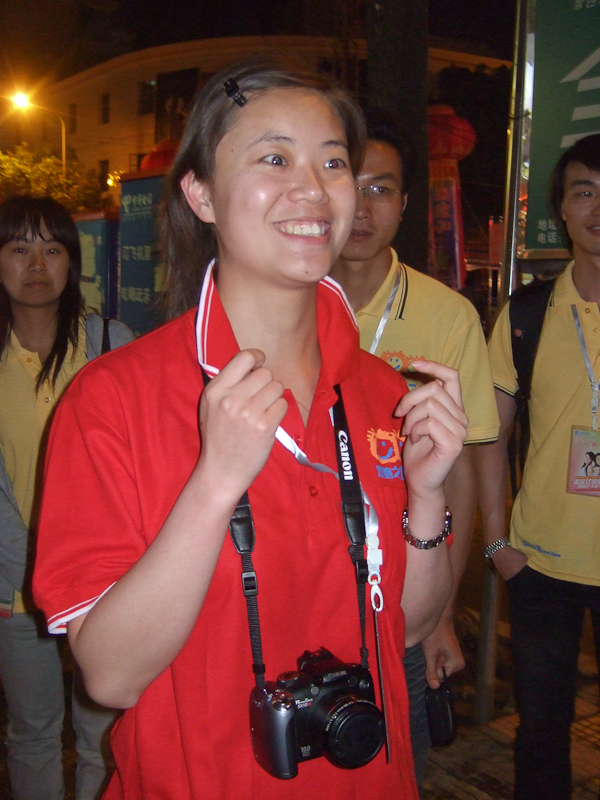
{"x":282,"y":194}
{"x":581,"y":208}
{"x":34,"y":270}
{"x":376,"y":220}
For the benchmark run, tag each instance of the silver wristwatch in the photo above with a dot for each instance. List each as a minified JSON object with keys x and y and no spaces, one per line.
{"x":493,"y":548}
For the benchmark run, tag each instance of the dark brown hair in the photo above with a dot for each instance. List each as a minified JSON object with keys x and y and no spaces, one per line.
{"x":187,"y":243}
{"x":22,"y":215}
{"x":587,"y":152}
{"x":384,"y":126}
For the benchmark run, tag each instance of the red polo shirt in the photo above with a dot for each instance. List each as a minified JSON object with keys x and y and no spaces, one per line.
{"x":123,"y":443}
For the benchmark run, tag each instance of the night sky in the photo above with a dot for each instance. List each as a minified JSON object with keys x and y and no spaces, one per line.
{"x":72,"y":35}
{"x":476,"y":21}
{"x":488,"y":23}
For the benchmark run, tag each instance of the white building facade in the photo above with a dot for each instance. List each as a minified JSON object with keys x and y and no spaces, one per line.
{"x":115,"y":112}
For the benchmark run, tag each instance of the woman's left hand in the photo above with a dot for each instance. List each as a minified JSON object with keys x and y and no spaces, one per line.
{"x":435,"y":426}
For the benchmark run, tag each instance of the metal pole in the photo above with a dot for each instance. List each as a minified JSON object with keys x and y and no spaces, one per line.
{"x":63,"y":132}
{"x":508,"y":273}
{"x":487,"y":650}
{"x":24,"y":103}
{"x":64,"y":145}
{"x":507,"y":277}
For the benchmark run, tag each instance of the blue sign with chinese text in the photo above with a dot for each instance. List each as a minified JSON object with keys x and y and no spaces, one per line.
{"x":142,"y":278}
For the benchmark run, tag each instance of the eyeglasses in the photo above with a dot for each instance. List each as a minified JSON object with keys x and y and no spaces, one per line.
{"x":380,"y":194}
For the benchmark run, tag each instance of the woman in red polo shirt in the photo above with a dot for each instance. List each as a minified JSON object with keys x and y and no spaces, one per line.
{"x":260,"y":201}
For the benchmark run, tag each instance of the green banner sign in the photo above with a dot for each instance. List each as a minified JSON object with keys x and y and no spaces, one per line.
{"x":566,"y":105}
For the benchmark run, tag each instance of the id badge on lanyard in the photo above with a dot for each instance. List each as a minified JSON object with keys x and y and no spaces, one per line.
{"x":584,"y":458}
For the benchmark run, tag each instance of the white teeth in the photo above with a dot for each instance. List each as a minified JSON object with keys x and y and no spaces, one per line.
{"x":304,"y":228}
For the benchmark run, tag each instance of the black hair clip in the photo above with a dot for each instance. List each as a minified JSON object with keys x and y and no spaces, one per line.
{"x":233,"y":90}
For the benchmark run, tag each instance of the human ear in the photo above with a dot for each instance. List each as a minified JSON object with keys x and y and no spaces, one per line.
{"x":404,"y":197}
{"x":198,"y":197}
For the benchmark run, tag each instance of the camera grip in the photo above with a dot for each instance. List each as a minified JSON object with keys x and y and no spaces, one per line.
{"x":441,"y":714}
{"x":272,"y":730}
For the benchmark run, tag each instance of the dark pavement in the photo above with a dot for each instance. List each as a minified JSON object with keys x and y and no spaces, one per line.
{"x":478,"y":766}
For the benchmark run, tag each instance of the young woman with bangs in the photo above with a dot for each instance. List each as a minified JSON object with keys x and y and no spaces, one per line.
{"x":259,"y":203}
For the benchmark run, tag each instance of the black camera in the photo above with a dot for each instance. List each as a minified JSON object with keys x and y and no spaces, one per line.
{"x":325,"y":708}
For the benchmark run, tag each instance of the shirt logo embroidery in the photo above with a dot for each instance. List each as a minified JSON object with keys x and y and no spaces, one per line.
{"x":398,"y":360}
{"x":401,"y":363}
{"x":385,"y":448}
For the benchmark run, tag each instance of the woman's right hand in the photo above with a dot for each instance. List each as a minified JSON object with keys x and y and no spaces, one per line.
{"x":239,"y":413}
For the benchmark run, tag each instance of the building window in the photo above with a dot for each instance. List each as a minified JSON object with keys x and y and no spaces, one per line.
{"x":72,"y":118}
{"x":103,"y":174}
{"x":104,"y":108}
{"x":146,"y":97}
{"x":135,"y":160}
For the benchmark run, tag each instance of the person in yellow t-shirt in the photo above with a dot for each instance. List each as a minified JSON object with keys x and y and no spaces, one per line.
{"x":45,"y":339}
{"x":403,"y":314}
{"x":551,"y":564}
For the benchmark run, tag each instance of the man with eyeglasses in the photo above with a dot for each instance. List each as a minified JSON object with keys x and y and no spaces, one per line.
{"x":403,"y":314}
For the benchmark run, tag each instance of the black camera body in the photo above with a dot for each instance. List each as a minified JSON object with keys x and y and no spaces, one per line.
{"x":325,"y":708}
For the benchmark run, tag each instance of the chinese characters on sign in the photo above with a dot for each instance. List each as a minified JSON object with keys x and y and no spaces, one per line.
{"x":581,"y":4}
{"x":142,"y":252}
{"x":564,"y":101}
{"x":548,"y":232}
{"x":141,"y":274}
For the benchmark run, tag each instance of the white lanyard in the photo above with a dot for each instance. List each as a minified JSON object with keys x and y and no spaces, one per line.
{"x":594,"y":385}
{"x":374,"y":553}
{"x":385,"y":315}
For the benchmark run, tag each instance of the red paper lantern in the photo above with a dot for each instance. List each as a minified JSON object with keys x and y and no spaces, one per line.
{"x":450,"y":136}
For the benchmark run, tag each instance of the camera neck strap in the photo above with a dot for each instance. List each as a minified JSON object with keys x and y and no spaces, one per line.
{"x":241,"y":528}
{"x":352,"y":510}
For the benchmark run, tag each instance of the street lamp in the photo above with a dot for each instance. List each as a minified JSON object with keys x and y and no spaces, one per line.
{"x":20,"y":100}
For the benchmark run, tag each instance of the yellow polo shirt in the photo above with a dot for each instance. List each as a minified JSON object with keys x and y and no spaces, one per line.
{"x":429,"y":320}
{"x":558,"y":532}
{"x":24,"y":419}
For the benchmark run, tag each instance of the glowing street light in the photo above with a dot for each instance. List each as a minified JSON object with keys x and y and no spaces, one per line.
{"x":21,"y":101}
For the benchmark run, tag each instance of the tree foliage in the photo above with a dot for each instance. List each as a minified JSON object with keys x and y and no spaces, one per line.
{"x":39,"y":173}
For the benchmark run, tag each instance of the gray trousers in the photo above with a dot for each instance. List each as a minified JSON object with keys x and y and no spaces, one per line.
{"x":414,"y":671}
{"x":31,"y":671}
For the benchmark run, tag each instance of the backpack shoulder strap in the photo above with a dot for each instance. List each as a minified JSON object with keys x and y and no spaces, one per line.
{"x":106,"y":348}
{"x":527,"y":310}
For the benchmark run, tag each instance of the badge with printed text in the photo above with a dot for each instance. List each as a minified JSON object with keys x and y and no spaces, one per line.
{"x":584,"y":462}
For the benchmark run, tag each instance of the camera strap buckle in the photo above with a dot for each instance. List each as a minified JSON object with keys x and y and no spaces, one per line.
{"x":362,"y":569}
{"x":249,"y":584}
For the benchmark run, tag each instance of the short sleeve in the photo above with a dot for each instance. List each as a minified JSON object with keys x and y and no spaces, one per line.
{"x":88,"y":538}
{"x":504,"y":374}
{"x":466,"y":352}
